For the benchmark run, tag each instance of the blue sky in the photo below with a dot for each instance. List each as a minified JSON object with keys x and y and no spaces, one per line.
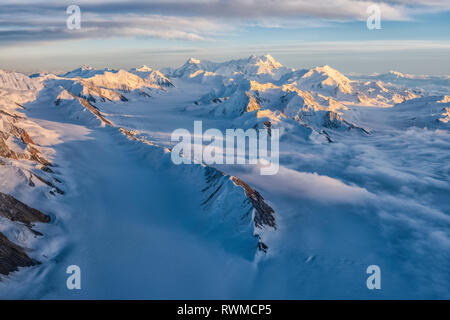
{"x":414,"y":38}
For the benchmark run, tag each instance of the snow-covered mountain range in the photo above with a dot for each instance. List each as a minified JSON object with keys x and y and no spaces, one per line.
{"x":86,"y":178}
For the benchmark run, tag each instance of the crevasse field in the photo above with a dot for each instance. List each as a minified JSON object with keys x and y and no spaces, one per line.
{"x":363,"y":180}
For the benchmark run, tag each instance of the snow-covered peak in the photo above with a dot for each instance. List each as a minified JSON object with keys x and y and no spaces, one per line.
{"x":121,"y":80}
{"x":375,"y":86}
{"x":152,"y":77}
{"x":64,"y":95}
{"x":86,"y":67}
{"x":192,"y":66}
{"x":254,"y":67}
{"x":85,"y":71}
{"x":17,"y":81}
{"x":429,"y":111}
{"x":326,"y":80}
{"x":128,"y":81}
{"x":445,"y":99}
{"x":143,"y":68}
{"x":392,"y":75}
{"x":399,"y":75}
{"x":328,"y":71}
{"x":266,"y":62}
{"x":396,"y":73}
{"x":193,"y":61}
{"x":260,"y":67}
{"x":155,"y":77}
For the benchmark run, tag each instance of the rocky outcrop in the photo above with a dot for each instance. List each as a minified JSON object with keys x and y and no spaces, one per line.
{"x":253,"y":208}
{"x":445,"y":115}
{"x":16,"y":143}
{"x":93,"y":109}
{"x":17,"y":149}
{"x":264,"y":214}
{"x":334,"y":120}
{"x":13,"y":256}
{"x":15,"y":210}
{"x":252,"y":104}
{"x":93,"y":93}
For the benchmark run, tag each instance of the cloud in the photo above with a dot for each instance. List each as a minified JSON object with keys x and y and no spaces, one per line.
{"x":97,"y":26}
{"x":329,"y":9}
{"x":193,"y":20}
{"x":312,"y":187}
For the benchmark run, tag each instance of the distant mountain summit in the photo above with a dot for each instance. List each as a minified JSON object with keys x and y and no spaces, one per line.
{"x":258,"y":67}
{"x":155,"y":77}
{"x":325,"y":80}
{"x":142,"y":68}
{"x":85,"y":71}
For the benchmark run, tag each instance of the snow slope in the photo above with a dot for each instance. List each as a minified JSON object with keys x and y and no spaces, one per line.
{"x":363,"y":179}
{"x":263,"y":67}
{"x":85,"y":71}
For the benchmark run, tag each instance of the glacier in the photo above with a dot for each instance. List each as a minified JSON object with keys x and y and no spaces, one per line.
{"x":363,"y":180}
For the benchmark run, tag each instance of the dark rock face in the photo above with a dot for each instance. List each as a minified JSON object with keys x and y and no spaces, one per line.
{"x":264,"y":214}
{"x":333,"y":120}
{"x":215,"y":181}
{"x":17,"y":144}
{"x":92,"y":108}
{"x":252,"y":104}
{"x":12,"y":256}
{"x":15,"y":210}
{"x":268,"y":126}
{"x":11,"y":131}
{"x":5,"y":152}
{"x":50,"y":184}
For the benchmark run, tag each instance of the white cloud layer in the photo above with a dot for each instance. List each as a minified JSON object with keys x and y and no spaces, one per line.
{"x":29,"y":21}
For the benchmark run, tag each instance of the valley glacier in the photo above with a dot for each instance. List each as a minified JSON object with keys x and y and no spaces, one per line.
{"x":363,"y":180}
